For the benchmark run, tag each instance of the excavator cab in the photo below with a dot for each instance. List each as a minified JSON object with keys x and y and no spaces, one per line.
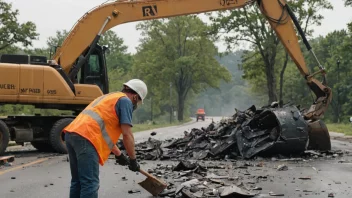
{"x":94,"y":71}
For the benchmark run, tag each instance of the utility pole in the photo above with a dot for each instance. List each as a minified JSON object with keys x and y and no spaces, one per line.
{"x":338,"y":91}
{"x":170,"y":103}
{"x":151,"y":108}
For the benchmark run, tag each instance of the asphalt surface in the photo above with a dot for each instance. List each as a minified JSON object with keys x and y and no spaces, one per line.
{"x":42,"y":175}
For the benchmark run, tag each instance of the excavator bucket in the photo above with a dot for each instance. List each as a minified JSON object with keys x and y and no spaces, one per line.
{"x":319,"y":137}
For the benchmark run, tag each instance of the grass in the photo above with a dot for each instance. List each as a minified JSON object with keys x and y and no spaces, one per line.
{"x":144,"y":127}
{"x":340,"y":128}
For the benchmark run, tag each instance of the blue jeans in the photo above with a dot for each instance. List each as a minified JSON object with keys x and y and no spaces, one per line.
{"x":84,"y":165}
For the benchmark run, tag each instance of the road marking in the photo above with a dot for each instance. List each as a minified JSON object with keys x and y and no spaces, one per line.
{"x":24,"y":165}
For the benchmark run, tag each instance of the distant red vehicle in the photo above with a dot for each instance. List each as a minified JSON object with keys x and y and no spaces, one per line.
{"x":200,"y":114}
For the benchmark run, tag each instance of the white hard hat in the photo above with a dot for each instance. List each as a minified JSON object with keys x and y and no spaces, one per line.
{"x":138,"y":86}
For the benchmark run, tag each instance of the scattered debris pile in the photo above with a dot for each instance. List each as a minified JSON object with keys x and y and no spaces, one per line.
{"x":266,"y":131}
{"x":192,"y":180}
{"x":195,"y":179}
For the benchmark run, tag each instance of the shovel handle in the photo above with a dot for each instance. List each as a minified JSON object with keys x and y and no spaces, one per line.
{"x":146,"y":174}
{"x":150,"y":176}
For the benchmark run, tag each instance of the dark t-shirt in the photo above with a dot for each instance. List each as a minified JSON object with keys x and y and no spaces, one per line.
{"x":124,"y":109}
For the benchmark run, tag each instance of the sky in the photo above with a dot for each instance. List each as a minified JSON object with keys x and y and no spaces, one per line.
{"x":52,"y":15}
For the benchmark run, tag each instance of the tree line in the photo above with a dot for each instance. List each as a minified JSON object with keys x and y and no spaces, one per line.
{"x":184,"y":70}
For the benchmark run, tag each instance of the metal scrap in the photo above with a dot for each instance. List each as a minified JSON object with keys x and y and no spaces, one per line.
{"x":304,"y":178}
{"x":133,"y":191}
{"x":209,"y":184}
{"x":235,"y":191}
{"x":276,"y":194}
{"x":265,"y":131}
{"x":282,"y":167}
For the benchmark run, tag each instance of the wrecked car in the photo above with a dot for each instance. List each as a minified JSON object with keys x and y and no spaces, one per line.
{"x":264,"y":131}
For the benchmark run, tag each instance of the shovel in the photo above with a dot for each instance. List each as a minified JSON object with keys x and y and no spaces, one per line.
{"x":152,"y":184}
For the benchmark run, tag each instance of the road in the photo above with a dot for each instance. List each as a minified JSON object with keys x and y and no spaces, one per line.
{"x":48,"y":175}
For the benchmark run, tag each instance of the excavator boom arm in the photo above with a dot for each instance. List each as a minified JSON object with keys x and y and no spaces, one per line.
{"x":116,"y":13}
{"x":88,"y":29}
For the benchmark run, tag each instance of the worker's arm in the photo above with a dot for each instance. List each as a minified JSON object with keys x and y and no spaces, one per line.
{"x":116,"y":150}
{"x":128,"y":140}
{"x":124,"y":109}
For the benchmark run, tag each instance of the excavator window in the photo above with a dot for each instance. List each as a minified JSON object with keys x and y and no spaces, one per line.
{"x":94,"y":66}
{"x":92,"y":72}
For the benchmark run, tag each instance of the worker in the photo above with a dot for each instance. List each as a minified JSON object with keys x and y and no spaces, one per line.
{"x":92,"y":136}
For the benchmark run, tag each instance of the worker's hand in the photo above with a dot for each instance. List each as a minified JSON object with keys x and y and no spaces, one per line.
{"x":134,"y":166}
{"x":122,"y":160}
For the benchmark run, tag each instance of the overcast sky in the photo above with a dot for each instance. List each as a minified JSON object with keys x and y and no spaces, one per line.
{"x":53,"y":15}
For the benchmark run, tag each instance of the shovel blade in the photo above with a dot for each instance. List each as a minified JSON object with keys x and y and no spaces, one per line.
{"x":154,"y":187}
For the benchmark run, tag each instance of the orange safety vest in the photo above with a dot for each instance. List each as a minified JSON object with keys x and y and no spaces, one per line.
{"x":99,"y":124}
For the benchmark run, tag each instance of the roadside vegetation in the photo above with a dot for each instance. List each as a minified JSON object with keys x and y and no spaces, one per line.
{"x":345,"y":128}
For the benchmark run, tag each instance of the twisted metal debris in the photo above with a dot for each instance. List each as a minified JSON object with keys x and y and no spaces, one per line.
{"x":265,"y":131}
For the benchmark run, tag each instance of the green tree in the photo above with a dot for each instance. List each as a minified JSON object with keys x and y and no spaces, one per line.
{"x":249,"y":25}
{"x":58,"y":39}
{"x":177,"y":52}
{"x":232,"y":95}
{"x":10,"y":50}
{"x":52,"y":43}
{"x":333,"y":52}
{"x":118,"y":60}
{"x":118,"y":57}
{"x":345,"y":83}
{"x":349,"y":3}
{"x":11,"y":31}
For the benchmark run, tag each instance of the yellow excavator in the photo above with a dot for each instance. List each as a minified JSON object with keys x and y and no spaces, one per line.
{"x":77,"y":73}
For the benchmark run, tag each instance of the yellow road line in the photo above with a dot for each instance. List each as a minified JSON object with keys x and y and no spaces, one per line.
{"x":24,"y":165}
